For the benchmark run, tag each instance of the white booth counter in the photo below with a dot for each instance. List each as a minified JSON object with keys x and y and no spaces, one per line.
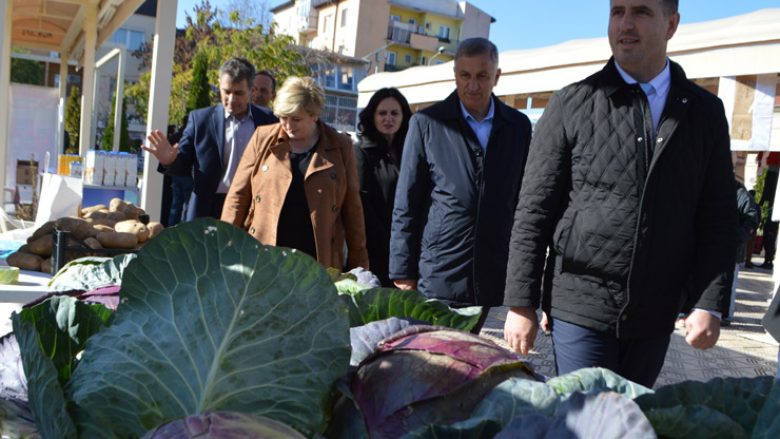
{"x":31,"y":285}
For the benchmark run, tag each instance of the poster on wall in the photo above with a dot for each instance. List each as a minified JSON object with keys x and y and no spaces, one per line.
{"x":749,"y":102}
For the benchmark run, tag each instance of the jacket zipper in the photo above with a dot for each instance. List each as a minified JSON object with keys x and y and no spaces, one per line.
{"x":648,"y":160}
{"x":476,"y":224}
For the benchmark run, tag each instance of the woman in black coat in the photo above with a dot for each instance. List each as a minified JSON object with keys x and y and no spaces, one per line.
{"x":383,"y":126}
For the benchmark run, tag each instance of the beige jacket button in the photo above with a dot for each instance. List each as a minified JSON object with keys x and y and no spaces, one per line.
{"x":265,"y":168}
{"x":251,"y":230}
{"x":257,"y":198}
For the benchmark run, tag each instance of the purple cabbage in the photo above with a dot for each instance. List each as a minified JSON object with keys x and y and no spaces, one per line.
{"x":223,"y":425}
{"x":429,"y":375}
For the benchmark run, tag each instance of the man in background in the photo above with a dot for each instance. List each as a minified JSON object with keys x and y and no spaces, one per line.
{"x":263,"y":89}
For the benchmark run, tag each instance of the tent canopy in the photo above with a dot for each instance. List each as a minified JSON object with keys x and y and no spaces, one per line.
{"x":58,"y":25}
{"x":742,"y":45}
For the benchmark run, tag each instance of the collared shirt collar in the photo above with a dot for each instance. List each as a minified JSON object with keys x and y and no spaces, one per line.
{"x":483,"y":127}
{"x":660,"y":84}
{"x":656,"y":91}
{"x":248,"y":114}
{"x":488,"y":116}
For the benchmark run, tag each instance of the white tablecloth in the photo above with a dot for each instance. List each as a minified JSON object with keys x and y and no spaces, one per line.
{"x":31,"y":285}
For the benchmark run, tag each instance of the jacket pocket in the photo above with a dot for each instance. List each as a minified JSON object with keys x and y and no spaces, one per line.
{"x":563,"y":241}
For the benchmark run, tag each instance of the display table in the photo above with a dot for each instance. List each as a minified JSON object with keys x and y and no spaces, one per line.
{"x":31,"y":285}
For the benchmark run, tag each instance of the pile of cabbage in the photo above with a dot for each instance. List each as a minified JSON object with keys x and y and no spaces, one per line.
{"x":206,"y":333}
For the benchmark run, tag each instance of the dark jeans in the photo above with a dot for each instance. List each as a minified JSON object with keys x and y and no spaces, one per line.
{"x":770,"y":240}
{"x":181,"y":188}
{"x":639,"y":360}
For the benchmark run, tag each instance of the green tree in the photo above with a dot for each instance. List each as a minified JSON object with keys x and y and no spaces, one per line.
{"x":25,"y":71}
{"x":218,"y":40}
{"x":73,"y":120}
{"x":107,"y":141}
{"x":200,"y":92}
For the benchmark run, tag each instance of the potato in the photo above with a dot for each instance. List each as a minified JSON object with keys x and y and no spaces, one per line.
{"x":78,"y":227}
{"x":102,"y":228}
{"x":114,"y":204}
{"x":68,"y":223}
{"x":42,"y":246}
{"x":25,"y":261}
{"x":97,"y":214}
{"x":117,"y":240}
{"x":154,"y":229}
{"x":115,"y":217}
{"x":88,"y":210}
{"x":127,"y":209}
{"x":136,"y":228}
{"x":100,"y":224}
{"x":45,"y":229}
{"x":46,"y":265}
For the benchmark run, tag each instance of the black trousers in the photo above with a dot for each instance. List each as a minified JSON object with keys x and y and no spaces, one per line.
{"x":639,"y":360}
{"x":770,"y":240}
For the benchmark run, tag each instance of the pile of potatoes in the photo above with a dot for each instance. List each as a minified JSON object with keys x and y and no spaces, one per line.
{"x":117,"y":226}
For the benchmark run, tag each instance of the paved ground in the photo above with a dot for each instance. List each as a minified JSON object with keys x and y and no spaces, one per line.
{"x":743,"y":350}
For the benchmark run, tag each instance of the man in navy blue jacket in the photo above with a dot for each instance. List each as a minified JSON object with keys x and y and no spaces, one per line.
{"x":461,"y":169}
{"x":214,"y":140}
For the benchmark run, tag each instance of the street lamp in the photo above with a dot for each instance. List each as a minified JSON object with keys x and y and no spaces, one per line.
{"x":439,"y":51}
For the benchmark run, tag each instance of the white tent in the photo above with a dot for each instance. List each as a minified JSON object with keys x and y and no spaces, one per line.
{"x":74,"y":29}
{"x":743,"y":45}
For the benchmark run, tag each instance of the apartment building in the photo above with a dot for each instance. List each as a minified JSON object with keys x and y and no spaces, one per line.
{"x":390,"y":34}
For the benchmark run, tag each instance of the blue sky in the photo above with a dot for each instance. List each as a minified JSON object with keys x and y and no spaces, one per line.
{"x":523,"y":24}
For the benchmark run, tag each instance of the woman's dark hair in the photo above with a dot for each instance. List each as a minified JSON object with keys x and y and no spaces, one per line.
{"x":366,"y":123}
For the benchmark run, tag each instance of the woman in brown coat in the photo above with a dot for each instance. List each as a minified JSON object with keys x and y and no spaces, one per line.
{"x":296,"y":185}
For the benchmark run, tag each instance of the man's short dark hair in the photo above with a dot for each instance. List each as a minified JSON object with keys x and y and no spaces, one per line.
{"x":239,"y":69}
{"x":270,"y":76}
{"x":670,"y":6}
{"x":477,"y":46}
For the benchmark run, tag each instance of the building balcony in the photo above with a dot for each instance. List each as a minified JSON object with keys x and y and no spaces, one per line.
{"x":411,"y":35}
{"x":424,"y":42}
{"x":307,"y":24}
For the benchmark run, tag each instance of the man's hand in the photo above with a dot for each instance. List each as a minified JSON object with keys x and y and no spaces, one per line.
{"x":160,"y":148}
{"x":702,"y":329}
{"x":406,"y":284}
{"x":520,"y":329}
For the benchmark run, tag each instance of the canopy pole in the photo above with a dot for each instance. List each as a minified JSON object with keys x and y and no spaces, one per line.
{"x":86,"y":136}
{"x":5,"y":83}
{"x":159,"y":96}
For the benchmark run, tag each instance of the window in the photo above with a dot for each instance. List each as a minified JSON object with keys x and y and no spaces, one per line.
{"x":412,"y":21}
{"x":424,"y":61}
{"x":326,"y":23}
{"x":444,"y":33}
{"x":390,"y":58}
{"x":340,"y":112}
{"x":344,"y":14}
{"x":408,"y":59}
{"x":395,"y":18}
{"x":132,"y":39}
{"x":345,"y":78}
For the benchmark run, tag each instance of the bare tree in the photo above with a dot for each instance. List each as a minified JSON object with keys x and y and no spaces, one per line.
{"x":253,"y":12}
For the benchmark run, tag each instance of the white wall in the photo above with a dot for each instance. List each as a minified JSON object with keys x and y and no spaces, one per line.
{"x":33,"y":127}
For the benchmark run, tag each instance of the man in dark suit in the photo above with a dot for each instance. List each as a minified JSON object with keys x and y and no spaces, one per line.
{"x":214,"y":140}
{"x":460,"y":173}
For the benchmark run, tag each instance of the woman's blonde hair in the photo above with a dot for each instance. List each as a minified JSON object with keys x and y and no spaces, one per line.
{"x":299,"y":94}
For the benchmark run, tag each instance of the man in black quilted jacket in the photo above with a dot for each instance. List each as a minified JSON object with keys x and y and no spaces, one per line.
{"x":629,"y":181}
